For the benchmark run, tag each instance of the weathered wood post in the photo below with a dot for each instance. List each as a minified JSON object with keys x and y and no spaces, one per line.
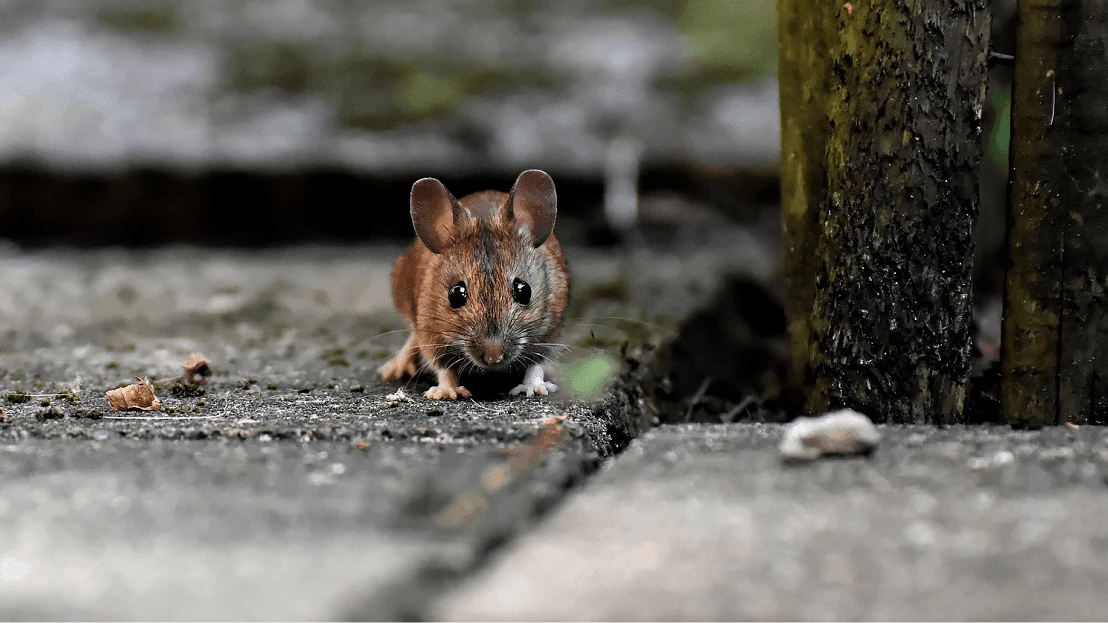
{"x":1055,"y":297}
{"x":803,"y":74}
{"x":891,"y":245}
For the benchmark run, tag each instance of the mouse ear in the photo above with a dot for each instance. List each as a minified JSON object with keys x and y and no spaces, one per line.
{"x":433,"y":213}
{"x":534,"y":201}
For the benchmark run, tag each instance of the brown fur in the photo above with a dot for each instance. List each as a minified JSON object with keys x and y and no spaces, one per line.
{"x":488,"y":248}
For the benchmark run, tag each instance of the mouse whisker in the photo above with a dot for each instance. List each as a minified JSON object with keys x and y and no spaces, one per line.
{"x":371,"y":338}
{"x":658,"y":327}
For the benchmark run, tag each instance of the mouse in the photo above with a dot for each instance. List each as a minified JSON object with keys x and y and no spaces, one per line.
{"x":484,"y":287}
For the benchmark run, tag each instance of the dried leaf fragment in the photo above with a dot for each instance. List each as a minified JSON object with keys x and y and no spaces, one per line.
{"x":138,"y":396}
{"x":528,"y":456}
{"x":1072,"y":426}
{"x":3,"y":415}
{"x":474,"y":502}
{"x":197,"y":368}
{"x":555,"y":420}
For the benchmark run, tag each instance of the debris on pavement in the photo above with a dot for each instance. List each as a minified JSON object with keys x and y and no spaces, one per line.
{"x":471,"y":504}
{"x":138,"y":396}
{"x":558,"y":419}
{"x":843,"y":432}
{"x":397,"y":397}
{"x":528,"y":456}
{"x":15,"y":398}
{"x":50,"y":413}
{"x":1072,"y":426}
{"x":197,"y":369}
{"x":3,"y":415}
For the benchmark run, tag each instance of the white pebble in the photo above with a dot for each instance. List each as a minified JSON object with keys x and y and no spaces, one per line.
{"x":397,"y":397}
{"x":838,"y":432}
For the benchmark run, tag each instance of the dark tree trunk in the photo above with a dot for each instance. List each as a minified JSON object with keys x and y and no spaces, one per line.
{"x":1055,"y":300}
{"x":889,"y":327}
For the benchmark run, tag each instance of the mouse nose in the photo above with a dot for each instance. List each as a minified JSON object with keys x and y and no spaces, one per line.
{"x":492,"y":351}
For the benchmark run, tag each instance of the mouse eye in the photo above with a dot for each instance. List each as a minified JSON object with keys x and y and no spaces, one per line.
{"x":521,"y":292}
{"x":458,"y":294}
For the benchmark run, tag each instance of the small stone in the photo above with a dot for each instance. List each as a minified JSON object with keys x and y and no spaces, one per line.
{"x":101,"y":435}
{"x":999,"y":459}
{"x":397,"y":397}
{"x":843,"y":432}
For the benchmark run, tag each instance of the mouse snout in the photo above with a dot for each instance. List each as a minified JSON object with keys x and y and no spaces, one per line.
{"x":492,"y":351}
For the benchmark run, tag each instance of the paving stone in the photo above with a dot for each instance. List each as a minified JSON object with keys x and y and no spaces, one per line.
{"x":706,"y":522}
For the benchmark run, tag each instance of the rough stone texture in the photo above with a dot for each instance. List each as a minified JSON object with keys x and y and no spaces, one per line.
{"x":703,"y":522}
{"x":277,"y":493}
{"x":399,"y":85}
{"x":233,"y":530}
{"x":280,"y":493}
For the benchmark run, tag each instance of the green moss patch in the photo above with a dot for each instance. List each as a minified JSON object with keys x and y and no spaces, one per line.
{"x":14,"y":398}
{"x":371,"y":91}
{"x":266,"y":65}
{"x":149,"y":19}
{"x":727,"y":41}
{"x":53,"y":413}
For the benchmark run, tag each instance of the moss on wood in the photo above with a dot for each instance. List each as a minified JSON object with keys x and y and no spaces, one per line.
{"x":1055,"y":300}
{"x":803,"y":73}
{"x":892,"y":229}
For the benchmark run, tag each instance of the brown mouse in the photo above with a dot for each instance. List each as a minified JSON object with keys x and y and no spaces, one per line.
{"x":484,"y":286}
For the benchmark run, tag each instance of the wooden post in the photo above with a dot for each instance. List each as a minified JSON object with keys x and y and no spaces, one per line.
{"x":1055,"y":296}
{"x":804,"y":73}
{"x":888,"y":331}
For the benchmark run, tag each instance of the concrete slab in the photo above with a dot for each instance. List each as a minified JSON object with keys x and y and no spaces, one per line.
{"x":704,"y":522}
{"x":291,"y":487}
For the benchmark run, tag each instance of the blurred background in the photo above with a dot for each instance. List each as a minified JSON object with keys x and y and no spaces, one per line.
{"x":260,"y":122}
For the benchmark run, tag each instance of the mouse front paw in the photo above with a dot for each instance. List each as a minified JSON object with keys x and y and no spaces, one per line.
{"x":540,"y":388}
{"x":444,"y":392}
{"x":396,"y":368}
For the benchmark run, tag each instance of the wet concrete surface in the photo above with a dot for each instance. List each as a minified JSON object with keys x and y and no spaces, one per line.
{"x":705,"y":522}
